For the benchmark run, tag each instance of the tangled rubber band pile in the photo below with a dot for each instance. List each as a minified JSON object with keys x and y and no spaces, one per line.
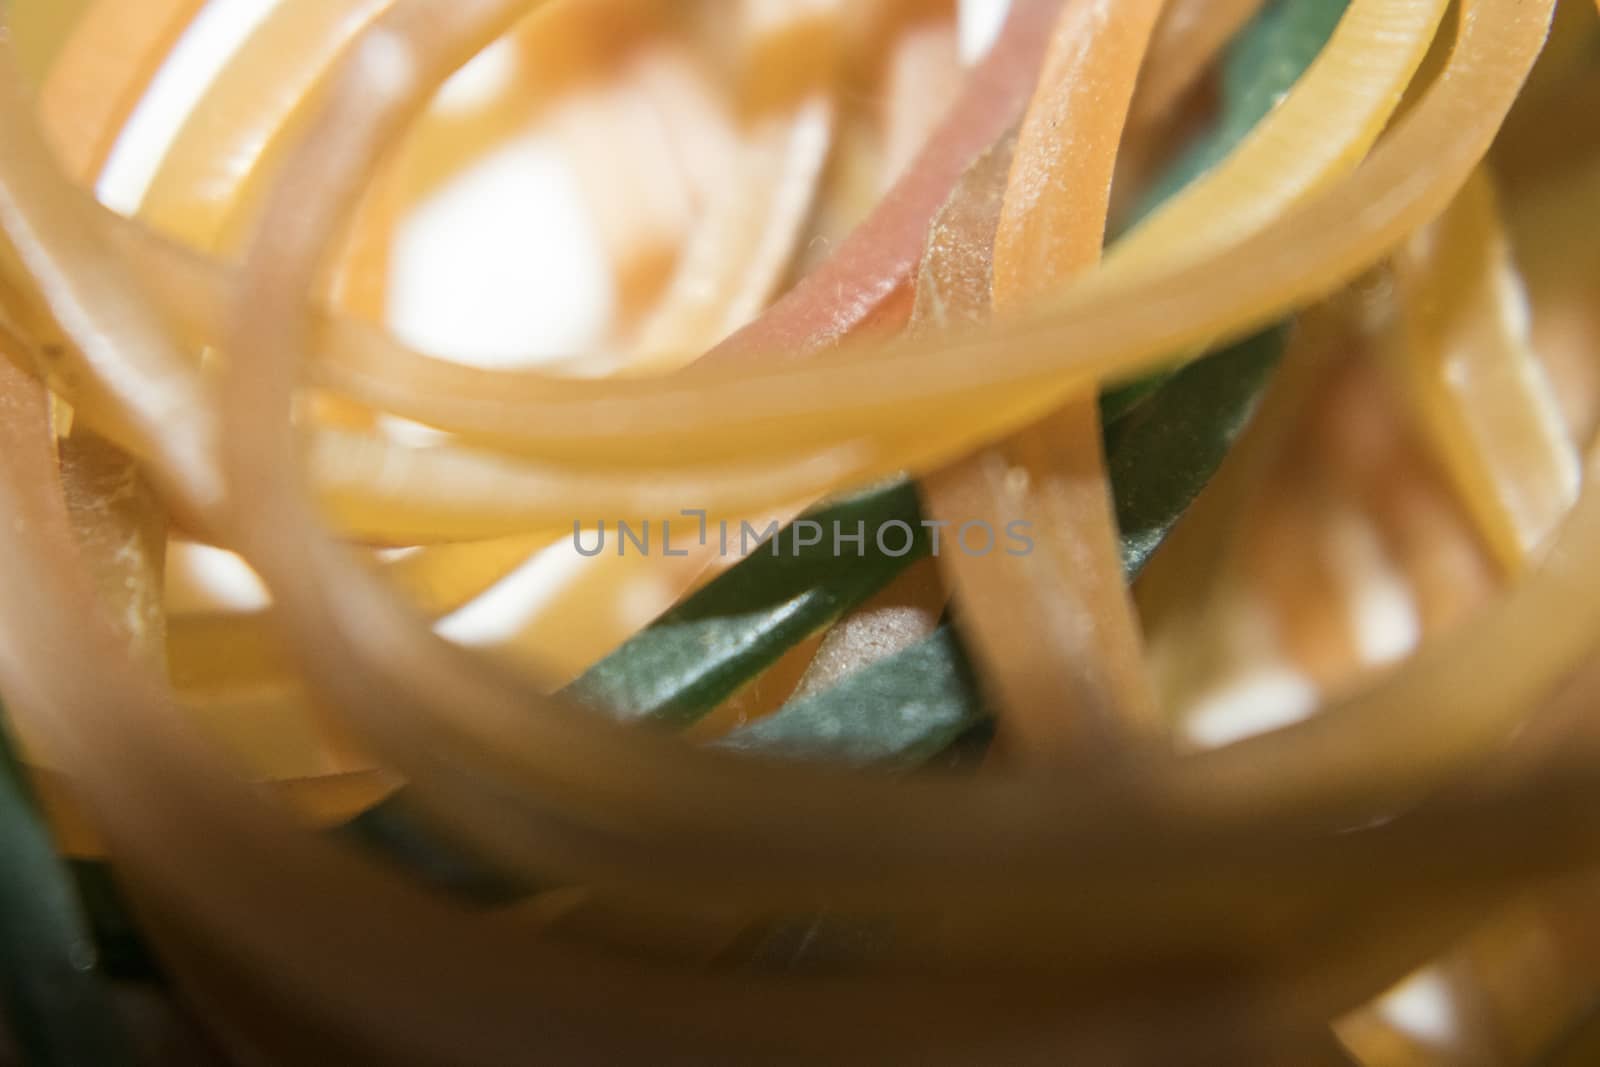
{"x":1269,"y":330}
